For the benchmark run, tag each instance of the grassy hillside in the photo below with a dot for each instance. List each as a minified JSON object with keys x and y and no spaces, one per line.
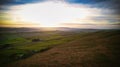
{"x":93,"y":49}
{"x":20,"y":45}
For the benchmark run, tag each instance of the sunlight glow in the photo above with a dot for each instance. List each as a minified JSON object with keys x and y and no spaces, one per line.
{"x":51,"y":14}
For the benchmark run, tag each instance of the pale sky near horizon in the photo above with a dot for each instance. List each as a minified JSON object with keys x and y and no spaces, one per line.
{"x":59,"y":13}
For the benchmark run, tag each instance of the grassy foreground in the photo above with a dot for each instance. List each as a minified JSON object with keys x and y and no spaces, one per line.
{"x":62,"y":49}
{"x":20,"y":45}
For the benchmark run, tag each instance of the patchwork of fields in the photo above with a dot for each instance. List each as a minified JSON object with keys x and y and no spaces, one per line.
{"x":60,"y":49}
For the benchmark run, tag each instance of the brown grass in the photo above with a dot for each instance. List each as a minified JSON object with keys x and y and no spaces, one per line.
{"x":92,"y":51}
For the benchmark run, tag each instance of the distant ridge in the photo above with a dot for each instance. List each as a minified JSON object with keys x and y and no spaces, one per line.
{"x":40,"y":29}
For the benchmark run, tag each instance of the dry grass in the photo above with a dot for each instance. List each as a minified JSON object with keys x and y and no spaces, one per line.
{"x":90,"y":51}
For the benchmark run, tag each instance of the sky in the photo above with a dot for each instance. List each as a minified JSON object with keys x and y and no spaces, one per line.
{"x":98,"y":14}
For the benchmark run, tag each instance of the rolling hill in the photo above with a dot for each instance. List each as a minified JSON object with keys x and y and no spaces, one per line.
{"x":91,"y":49}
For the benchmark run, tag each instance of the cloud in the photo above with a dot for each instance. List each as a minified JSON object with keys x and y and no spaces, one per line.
{"x":52,"y":12}
{"x":106,"y":4}
{"x":111,"y":19}
{"x":15,"y":2}
{"x":74,"y":12}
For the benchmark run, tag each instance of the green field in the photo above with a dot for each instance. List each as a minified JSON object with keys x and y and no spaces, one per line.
{"x":60,"y":49}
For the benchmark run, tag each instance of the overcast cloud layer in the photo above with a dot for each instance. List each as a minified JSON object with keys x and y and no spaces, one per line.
{"x":109,"y":9}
